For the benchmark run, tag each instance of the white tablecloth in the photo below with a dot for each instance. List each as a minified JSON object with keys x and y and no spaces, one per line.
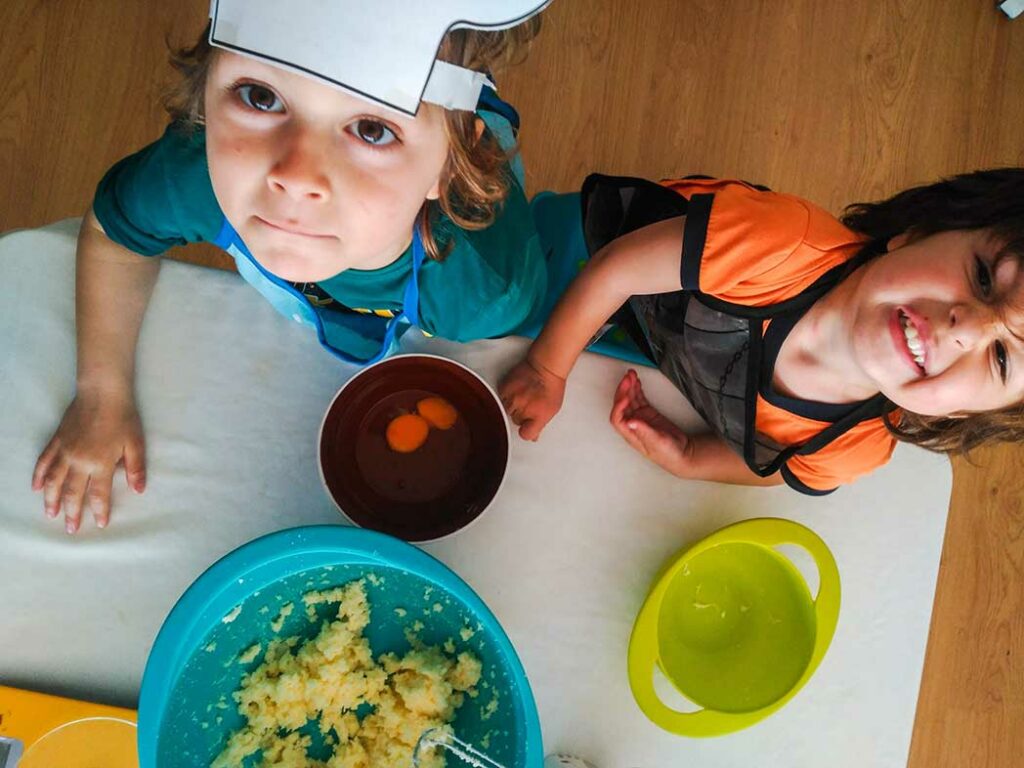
{"x":231,"y":396}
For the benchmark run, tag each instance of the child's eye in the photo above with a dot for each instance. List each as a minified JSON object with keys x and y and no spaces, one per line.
{"x":984,"y":276}
{"x":999,"y":350}
{"x":373,"y":132}
{"x":259,"y":98}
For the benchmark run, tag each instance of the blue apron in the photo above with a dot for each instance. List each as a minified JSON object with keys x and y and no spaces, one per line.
{"x":351,"y":336}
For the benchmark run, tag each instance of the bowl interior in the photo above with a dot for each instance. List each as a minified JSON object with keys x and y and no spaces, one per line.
{"x":736,"y":627}
{"x":200,"y":714}
{"x":428,"y":493}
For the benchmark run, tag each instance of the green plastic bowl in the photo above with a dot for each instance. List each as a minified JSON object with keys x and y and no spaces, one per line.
{"x":193,"y":664}
{"x":732,"y":625}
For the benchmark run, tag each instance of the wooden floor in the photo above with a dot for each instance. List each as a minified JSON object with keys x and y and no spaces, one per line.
{"x":836,"y":101}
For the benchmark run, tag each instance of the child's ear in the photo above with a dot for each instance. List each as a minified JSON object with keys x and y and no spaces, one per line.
{"x":478,"y":127}
{"x":898,"y":242}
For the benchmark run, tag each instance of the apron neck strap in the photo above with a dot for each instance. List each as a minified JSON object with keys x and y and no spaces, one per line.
{"x":411,"y":297}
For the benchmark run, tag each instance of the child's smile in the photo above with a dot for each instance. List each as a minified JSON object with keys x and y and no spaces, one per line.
{"x":314,"y":180}
{"x":911,"y":334}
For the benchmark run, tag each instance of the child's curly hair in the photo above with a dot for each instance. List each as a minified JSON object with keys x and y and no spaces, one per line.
{"x":474,"y":181}
{"x":991,"y":200}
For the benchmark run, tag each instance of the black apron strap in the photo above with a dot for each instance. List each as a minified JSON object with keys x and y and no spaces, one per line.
{"x":615,"y":205}
{"x":695,"y":234}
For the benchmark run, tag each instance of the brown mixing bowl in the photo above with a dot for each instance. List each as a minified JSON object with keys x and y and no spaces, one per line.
{"x":435,"y":490}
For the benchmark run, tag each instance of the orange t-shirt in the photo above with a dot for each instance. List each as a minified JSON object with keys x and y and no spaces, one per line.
{"x":762,"y":248}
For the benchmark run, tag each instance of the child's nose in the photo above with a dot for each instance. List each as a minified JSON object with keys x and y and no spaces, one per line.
{"x":969,"y":325}
{"x":298,"y":171}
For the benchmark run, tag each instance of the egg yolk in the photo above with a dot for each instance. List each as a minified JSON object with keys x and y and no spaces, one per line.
{"x":407,"y":432}
{"x":438,"y":411}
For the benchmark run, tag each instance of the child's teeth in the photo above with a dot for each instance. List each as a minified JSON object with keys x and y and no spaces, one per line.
{"x":914,"y":343}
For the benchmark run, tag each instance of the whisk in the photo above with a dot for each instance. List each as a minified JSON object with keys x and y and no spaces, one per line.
{"x":443,"y":738}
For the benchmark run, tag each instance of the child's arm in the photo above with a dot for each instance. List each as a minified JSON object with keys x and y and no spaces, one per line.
{"x":697,"y":457}
{"x":101,"y":426}
{"x":642,"y":262}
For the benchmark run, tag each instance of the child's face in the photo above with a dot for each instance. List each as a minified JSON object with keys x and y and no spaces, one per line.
{"x":314,"y":180}
{"x":936,"y":324}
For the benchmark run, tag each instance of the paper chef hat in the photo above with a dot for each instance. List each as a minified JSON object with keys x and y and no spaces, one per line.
{"x":381,"y":50}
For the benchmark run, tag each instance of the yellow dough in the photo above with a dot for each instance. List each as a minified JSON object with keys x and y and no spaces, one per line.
{"x":328,"y":677}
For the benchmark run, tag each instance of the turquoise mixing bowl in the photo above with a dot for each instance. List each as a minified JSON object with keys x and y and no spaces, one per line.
{"x":193,"y":664}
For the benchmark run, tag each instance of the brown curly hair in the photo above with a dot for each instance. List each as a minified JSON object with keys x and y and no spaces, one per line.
{"x":989,"y":200}
{"x":475,"y":178}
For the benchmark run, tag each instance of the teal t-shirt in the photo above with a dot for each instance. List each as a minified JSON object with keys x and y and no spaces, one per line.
{"x":491,"y":281}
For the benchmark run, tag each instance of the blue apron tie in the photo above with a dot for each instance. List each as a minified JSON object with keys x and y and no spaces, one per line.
{"x":378,"y":336}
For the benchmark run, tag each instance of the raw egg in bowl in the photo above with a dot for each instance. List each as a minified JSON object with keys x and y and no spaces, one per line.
{"x":416,"y":446}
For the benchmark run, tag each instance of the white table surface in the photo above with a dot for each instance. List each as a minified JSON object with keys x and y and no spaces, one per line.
{"x":231,"y":396}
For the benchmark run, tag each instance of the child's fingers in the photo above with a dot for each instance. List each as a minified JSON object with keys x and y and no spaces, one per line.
{"x":515,"y":413}
{"x":507,"y":396}
{"x":623,"y":410}
{"x":638,"y":391}
{"x":516,"y":382}
{"x":626,"y":429}
{"x":617,"y":417}
{"x":44,"y":462}
{"x":530,"y":429}
{"x":638,"y":407}
{"x":624,"y":387}
{"x":72,"y":497}
{"x":620,"y":405}
{"x":135,"y":465}
{"x":98,"y":498}
{"x":53,"y":486}
{"x":625,"y":399}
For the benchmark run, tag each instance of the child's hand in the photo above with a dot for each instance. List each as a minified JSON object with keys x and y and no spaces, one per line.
{"x":646,"y":429}
{"x":532,"y":395}
{"x":76,"y":468}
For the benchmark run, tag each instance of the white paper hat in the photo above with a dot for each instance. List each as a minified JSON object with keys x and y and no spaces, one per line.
{"x":381,"y":50}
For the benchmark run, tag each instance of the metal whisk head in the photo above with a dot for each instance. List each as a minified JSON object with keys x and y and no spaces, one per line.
{"x":443,"y":738}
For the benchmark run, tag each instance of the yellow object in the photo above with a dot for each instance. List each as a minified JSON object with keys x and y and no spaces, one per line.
{"x":64,"y":732}
{"x":407,"y":432}
{"x":438,"y":411}
{"x":732,"y":625}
